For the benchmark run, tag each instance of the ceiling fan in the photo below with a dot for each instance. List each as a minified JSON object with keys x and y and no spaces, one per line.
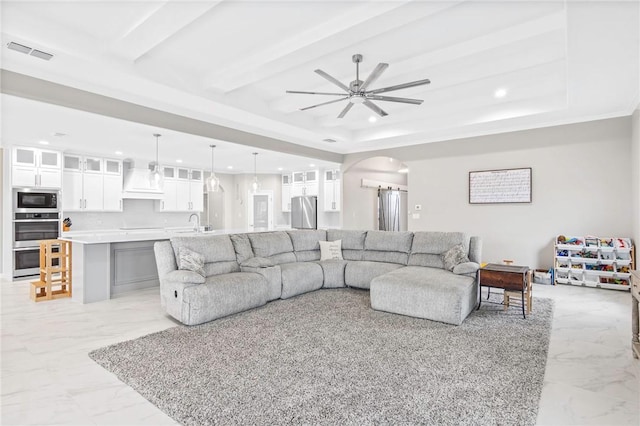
{"x":357,"y":92}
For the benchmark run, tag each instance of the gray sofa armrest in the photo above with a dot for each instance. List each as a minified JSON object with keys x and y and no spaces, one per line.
{"x":475,"y":250}
{"x":165,"y":258}
{"x":273,"y":274}
{"x":183,"y":276}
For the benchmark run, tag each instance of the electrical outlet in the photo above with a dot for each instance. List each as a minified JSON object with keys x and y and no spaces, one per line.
{"x":418,"y":207}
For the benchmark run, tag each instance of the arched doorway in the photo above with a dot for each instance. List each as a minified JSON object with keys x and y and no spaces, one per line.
{"x":362,"y":206}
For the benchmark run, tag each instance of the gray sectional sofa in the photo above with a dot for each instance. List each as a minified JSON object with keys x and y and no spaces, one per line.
{"x":404,"y":272}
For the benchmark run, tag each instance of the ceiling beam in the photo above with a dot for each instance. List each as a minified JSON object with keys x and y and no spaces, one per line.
{"x":24,"y":86}
{"x":160,"y":25}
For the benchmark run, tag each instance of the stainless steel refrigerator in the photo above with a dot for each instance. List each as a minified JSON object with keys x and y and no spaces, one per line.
{"x":304,"y":212}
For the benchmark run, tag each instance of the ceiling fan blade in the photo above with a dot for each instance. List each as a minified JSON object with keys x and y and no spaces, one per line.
{"x":400,"y":86}
{"x":324,"y":103}
{"x":377,"y":72}
{"x":314,"y":93}
{"x":375,"y":108}
{"x":333,"y":80}
{"x":394,"y":99}
{"x":345,"y":110}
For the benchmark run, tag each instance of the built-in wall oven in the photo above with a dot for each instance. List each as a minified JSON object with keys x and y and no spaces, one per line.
{"x":36,"y":216}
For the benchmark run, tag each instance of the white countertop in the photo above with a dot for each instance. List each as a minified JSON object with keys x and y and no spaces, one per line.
{"x":105,"y":236}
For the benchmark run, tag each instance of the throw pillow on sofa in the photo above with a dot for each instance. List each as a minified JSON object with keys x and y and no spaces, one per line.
{"x":190,"y":260}
{"x":331,"y":250}
{"x":454,"y":256}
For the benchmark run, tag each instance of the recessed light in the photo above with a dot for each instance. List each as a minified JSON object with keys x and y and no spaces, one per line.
{"x":329,"y":140}
{"x":59,"y":134}
{"x":500,"y":93}
{"x":178,"y":161}
{"x":43,"y":142}
{"x":403,"y":170}
{"x":118,"y":152}
{"x":312,"y":165}
{"x":229,"y":167}
{"x":280,"y":168}
{"x":373,"y":119}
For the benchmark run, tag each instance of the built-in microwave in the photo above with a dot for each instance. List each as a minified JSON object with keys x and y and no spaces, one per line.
{"x":27,"y":200}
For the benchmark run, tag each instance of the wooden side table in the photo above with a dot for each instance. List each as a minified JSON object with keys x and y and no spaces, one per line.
{"x":506,"y":277}
{"x":635,"y":325}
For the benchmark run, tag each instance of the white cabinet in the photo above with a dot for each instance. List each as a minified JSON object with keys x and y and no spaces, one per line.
{"x":36,"y":168}
{"x":332,"y":185}
{"x":286,"y":193}
{"x":91,"y":184}
{"x":304,"y":183}
{"x":183,"y":190}
{"x":594,"y":261}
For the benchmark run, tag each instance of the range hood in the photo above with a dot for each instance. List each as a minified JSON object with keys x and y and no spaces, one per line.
{"x":138,"y":186}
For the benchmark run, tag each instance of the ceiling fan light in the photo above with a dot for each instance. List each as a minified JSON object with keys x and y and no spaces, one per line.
{"x":357,"y":99}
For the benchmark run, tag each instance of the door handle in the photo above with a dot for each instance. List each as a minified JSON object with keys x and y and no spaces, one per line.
{"x":120,"y":204}
{"x":162,"y":204}
{"x":85,"y":203}
{"x":333,"y":205}
{"x":80,"y":202}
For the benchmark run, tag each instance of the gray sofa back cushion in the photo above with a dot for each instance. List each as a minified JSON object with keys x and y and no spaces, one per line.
{"x":352,"y":242}
{"x":276,"y":246}
{"x":428,"y":247}
{"x":306,"y":243}
{"x":242,"y":246}
{"x":385,"y":246}
{"x":219,"y":254}
{"x":214,"y":248}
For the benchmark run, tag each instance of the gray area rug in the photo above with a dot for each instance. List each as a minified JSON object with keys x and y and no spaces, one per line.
{"x":327,"y":358}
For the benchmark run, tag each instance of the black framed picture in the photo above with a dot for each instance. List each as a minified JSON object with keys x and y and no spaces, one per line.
{"x":500,"y":186}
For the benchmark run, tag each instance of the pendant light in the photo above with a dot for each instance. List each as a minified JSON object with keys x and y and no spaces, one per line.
{"x":213,"y":183}
{"x":255,"y":185}
{"x":156,"y":179}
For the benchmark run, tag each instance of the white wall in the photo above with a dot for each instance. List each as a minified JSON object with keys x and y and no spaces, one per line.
{"x":581,"y":185}
{"x":635,"y":176}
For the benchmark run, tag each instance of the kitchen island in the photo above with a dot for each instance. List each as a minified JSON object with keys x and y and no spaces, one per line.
{"x":111,"y":262}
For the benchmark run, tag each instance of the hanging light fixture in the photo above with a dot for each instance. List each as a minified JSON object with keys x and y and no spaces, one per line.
{"x":255,"y":185}
{"x":156,"y":179}
{"x":213,"y":183}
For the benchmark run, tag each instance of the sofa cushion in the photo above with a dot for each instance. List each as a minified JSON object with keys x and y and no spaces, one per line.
{"x":300,"y":277}
{"x":217,"y":268}
{"x":214,"y":248}
{"x":274,"y":245}
{"x":430,"y":293}
{"x":352,"y":242}
{"x":333,"y":271}
{"x":258,"y":262}
{"x":466,"y":268}
{"x":273,"y":276}
{"x":360,"y":273}
{"x":222,"y":295}
{"x":388,"y":241}
{"x":242,"y":246}
{"x":454,"y":256}
{"x":307,"y":239}
{"x":189,"y":260}
{"x":427,"y":247}
{"x":331,"y":250}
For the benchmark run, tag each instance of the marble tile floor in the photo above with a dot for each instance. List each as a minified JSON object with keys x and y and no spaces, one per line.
{"x":47,"y":378}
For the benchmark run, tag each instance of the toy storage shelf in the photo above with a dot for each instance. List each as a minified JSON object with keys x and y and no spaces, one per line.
{"x":599,"y":262}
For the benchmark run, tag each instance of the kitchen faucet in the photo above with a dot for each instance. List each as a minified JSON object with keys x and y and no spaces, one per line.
{"x":197,"y":224}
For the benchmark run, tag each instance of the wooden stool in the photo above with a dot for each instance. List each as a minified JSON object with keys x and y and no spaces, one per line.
{"x":511,"y":296}
{"x":55,"y":280}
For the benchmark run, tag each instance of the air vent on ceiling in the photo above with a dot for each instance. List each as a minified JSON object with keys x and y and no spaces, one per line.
{"x":328,"y":140}
{"x":19,"y":47}
{"x":29,"y":51}
{"x":42,"y":55}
